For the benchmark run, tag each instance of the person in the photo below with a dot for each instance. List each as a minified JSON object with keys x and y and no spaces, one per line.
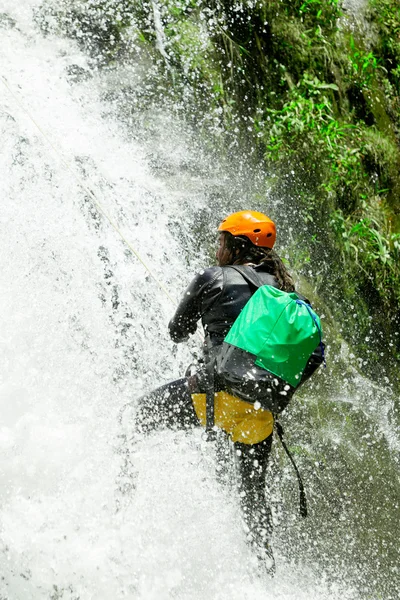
{"x":216,"y":296}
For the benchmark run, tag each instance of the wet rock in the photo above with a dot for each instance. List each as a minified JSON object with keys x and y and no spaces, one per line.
{"x":75,"y":73}
{"x":7,"y":22}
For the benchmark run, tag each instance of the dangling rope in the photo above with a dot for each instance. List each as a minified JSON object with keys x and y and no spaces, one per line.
{"x":88,"y":190}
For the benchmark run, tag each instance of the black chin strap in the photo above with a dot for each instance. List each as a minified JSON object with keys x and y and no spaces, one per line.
{"x":303,"y":499}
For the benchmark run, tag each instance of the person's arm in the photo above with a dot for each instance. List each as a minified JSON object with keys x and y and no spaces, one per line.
{"x":189,"y":311}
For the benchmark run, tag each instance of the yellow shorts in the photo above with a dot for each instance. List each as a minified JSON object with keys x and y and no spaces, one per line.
{"x":240,"y":419}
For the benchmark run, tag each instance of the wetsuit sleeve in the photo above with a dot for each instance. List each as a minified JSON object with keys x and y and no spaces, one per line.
{"x":189,"y":311}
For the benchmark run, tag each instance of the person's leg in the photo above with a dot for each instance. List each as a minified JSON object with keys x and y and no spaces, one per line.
{"x":251,"y":463}
{"x":169,"y":406}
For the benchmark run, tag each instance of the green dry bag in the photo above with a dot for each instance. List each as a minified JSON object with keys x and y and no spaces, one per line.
{"x":279,"y":330}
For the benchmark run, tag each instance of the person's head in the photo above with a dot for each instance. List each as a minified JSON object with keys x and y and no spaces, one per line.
{"x":248,"y":237}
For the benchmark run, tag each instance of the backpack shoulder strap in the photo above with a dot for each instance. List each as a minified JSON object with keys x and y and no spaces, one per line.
{"x":249,"y":275}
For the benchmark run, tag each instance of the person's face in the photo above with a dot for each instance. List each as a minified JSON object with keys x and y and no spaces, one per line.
{"x":223,"y":255}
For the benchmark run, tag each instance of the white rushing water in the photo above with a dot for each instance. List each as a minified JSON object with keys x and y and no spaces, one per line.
{"x":83,"y":331}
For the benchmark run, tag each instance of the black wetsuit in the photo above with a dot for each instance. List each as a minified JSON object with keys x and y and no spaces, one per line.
{"x":216,"y":296}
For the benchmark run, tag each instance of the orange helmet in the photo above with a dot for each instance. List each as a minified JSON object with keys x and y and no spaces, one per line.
{"x":256,"y":226}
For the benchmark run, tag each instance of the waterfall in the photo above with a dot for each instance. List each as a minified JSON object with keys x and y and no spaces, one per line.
{"x":160,"y":35}
{"x":85,"y":511}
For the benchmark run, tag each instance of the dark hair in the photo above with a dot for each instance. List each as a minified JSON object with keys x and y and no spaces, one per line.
{"x":244,"y":251}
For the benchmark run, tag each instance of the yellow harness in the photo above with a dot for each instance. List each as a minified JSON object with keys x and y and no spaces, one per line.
{"x":241,"y":420}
